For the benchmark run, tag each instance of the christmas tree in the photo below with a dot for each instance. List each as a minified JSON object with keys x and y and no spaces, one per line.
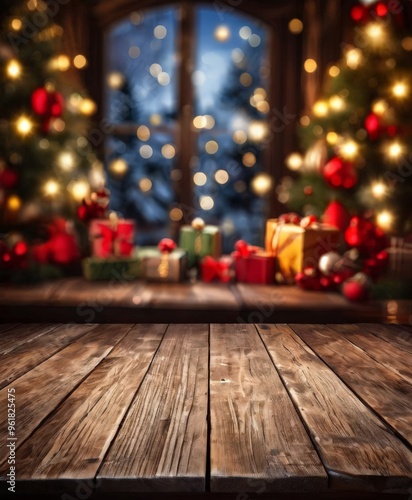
{"x":45,"y":155}
{"x":357,"y":137}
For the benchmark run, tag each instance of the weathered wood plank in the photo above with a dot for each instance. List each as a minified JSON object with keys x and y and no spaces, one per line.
{"x":28,"y":294}
{"x":186,"y":296}
{"x":42,"y":389}
{"x":162,"y":443}
{"x":257,"y":439}
{"x":383,"y":390}
{"x":16,"y":362}
{"x":397,"y":335}
{"x":20,"y":334}
{"x":70,"y":445}
{"x":382,"y":351}
{"x":7,"y":326}
{"x":355,"y":446}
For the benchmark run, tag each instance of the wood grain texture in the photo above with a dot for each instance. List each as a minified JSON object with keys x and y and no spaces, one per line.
{"x":70,"y":445}
{"x":18,"y":335}
{"x":16,"y":362}
{"x":162,"y":443}
{"x":381,"y":350}
{"x":28,"y":294}
{"x":357,"y":449}
{"x":187,"y":296}
{"x":257,"y":439}
{"x":384,"y":391}
{"x":41,"y":390}
{"x":396,"y":335}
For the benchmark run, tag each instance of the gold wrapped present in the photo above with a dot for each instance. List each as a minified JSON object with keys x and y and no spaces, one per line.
{"x":296,"y":247}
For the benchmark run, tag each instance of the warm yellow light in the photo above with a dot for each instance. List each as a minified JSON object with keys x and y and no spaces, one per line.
{"x":294,"y":161}
{"x":211,"y":147}
{"x":51,"y":188}
{"x":249,"y":159}
{"x":336,"y":103}
{"x":200,"y":179}
{"x":257,"y":131}
{"x":261,"y":184}
{"x":304,"y":121}
{"x":145,"y":185}
{"x":115,"y":80}
{"x":379,"y":107}
{"x":221,"y":176}
{"x":168,"y":151}
{"x":13,"y":69}
{"x":349,"y":150}
{"x":400,"y":90}
{"x":374,"y":31}
{"x":16,"y":24}
{"x":176,"y":214}
{"x":239,"y":136}
{"x":143,"y":133}
{"x":310,"y":65}
{"x":395,"y":150}
{"x":155,"y":119}
{"x":320,"y":108}
{"x":61,"y":63}
{"x":14,"y":203}
{"x":332,"y":138}
{"x":384,"y":220}
{"x":210,"y":122}
{"x":246,"y":79}
{"x":222,"y":33}
{"x":379,"y":190}
{"x":354,"y":58}
{"x":334,"y":71}
{"x":66,"y":160}
{"x":206,"y":202}
{"x":79,"y":189}
{"x":199,"y":121}
{"x":407,"y":43}
{"x":263,"y":107}
{"x":80,"y":61}
{"x":87,"y":107}
{"x":24,"y":125}
{"x":295,"y":26}
{"x":118,"y":167}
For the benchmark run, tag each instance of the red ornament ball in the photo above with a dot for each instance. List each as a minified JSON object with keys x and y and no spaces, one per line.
{"x":336,"y":215}
{"x":47,"y":105}
{"x":359,"y":13}
{"x":373,"y":126}
{"x":357,"y":288}
{"x":308,"y":190}
{"x":340,"y":174}
{"x":9,"y":178}
{"x":308,"y":279}
{"x":290,"y":218}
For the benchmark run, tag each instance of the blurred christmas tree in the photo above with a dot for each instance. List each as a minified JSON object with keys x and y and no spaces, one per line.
{"x":44,"y":151}
{"x":358,"y":136}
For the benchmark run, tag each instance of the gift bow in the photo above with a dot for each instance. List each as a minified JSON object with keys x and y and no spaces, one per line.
{"x":116,"y":239}
{"x":243,"y":249}
{"x":216,"y":268}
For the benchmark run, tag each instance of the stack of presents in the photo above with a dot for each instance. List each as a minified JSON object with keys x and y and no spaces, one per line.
{"x":289,"y":248}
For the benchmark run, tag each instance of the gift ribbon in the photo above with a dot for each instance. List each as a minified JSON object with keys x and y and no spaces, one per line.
{"x":115,"y":239}
{"x":166,"y":247}
{"x":216,"y":268}
{"x":245,"y":250}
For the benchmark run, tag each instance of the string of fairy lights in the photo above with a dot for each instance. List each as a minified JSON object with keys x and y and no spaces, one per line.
{"x":350,"y":148}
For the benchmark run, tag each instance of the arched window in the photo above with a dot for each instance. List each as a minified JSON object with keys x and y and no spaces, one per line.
{"x":199,"y":99}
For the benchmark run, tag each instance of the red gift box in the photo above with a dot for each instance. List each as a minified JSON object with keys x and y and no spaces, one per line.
{"x":253,"y":264}
{"x":112,"y":237}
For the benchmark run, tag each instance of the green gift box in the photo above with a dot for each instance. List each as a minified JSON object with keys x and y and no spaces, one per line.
{"x":200,"y":242}
{"x":166,"y":267}
{"x":95,"y":268}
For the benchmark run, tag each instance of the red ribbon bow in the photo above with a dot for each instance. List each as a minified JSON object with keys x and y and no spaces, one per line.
{"x":216,"y":269}
{"x":243,"y":249}
{"x":166,"y":245}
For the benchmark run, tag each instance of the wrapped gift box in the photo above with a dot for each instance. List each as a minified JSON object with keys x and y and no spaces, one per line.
{"x":296,"y":247}
{"x":167,"y":267}
{"x":200,"y":243}
{"x":111,"y":237}
{"x":253,"y":264}
{"x":113,"y":268}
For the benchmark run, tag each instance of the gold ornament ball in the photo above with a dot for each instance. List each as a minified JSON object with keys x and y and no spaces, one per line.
{"x":328,"y":262}
{"x":198,"y":224}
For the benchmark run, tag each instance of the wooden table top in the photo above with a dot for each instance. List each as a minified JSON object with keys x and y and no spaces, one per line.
{"x":79,"y":300}
{"x":241,"y":409}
